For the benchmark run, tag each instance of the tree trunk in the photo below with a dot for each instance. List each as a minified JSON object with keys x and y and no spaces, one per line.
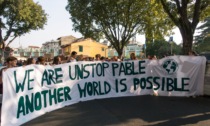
{"x":1,"y":39}
{"x":120,"y":53}
{"x":148,"y":42}
{"x":187,"y":37}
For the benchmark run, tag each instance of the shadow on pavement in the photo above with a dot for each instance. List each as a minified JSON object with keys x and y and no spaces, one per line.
{"x":131,"y":111}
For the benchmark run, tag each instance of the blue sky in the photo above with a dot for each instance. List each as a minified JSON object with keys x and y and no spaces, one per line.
{"x":59,"y":24}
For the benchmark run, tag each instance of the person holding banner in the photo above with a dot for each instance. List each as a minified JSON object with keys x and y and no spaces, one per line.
{"x":31,"y":61}
{"x":154,"y":57}
{"x":97,"y":57}
{"x":149,"y":57}
{"x":133,"y":56}
{"x":73,"y":56}
{"x":11,"y":62}
{"x":41,"y":60}
{"x":192,"y":53}
{"x":56,"y":60}
{"x":103,"y":59}
{"x":114,"y":58}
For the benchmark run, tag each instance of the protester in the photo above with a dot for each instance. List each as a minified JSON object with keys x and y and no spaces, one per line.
{"x":19,"y":63}
{"x":91,"y":58}
{"x":154,"y":57}
{"x":97,"y":57}
{"x":73,"y":56}
{"x":133,"y":56}
{"x":114,"y":58}
{"x":24,"y":63}
{"x":80,"y":58}
{"x":86,"y":59}
{"x":56,"y":60}
{"x":30,"y":61}
{"x":102,"y":59}
{"x":192,"y":53}
{"x":11,"y":62}
{"x":41,"y":60}
{"x":149,"y":57}
{"x":108,"y":59}
{"x":118,"y":58}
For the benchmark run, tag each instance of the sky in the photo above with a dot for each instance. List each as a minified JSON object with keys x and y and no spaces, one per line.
{"x":59,"y":24}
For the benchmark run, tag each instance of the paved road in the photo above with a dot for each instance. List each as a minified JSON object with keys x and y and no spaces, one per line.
{"x":131,"y":111}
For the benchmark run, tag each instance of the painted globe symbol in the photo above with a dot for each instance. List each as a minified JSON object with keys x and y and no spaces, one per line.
{"x":170,"y":66}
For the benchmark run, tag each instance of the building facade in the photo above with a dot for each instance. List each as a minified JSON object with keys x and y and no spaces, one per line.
{"x":24,"y":53}
{"x":135,"y":48}
{"x":51,"y":49}
{"x":48,"y":50}
{"x":64,"y":40}
{"x":87,"y":47}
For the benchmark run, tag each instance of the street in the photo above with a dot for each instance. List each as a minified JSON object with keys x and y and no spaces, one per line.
{"x":131,"y":111}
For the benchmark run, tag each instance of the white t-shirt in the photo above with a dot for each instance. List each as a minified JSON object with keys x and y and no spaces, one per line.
{"x":73,"y":60}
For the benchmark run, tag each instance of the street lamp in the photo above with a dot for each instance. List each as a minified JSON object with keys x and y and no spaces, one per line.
{"x":145,"y":52}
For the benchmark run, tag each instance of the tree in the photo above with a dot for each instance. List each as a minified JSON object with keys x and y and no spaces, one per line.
{"x":202,"y":41}
{"x":18,"y":17}
{"x":161,"y":47}
{"x":158,"y":24}
{"x":204,"y":45}
{"x":205,"y":28}
{"x":186,"y":15}
{"x":205,"y":31}
{"x":117,"y":20}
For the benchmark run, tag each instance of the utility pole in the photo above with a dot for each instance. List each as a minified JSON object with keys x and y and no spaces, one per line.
{"x":171,"y":42}
{"x":145,"y":52}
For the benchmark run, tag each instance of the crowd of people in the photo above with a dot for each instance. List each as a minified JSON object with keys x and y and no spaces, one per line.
{"x":13,"y":62}
{"x":72,"y":58}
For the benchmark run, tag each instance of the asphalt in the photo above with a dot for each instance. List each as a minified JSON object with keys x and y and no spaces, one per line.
{"x":131,"y":111}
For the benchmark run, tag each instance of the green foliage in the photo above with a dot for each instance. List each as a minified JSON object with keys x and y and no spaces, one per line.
{"x":186,"y":14}
{"x":202,"y":41}
{"x":158,"y":24}
{"x":205,"y":31}
{"x":117,"y":20}
{"x":203,"y":46}
{"x":162,"y":47}
{"x":19,"y":17}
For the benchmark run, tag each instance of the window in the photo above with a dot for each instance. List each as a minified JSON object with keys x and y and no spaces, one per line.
{"x":138,"y":48}
{"x":80,"y":48}
{"x":132,"y":48}
{"x":115,"y":53}
{"x":102,"y":49}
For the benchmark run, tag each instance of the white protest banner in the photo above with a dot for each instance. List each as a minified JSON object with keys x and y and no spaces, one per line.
{"x":33,"y":90}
